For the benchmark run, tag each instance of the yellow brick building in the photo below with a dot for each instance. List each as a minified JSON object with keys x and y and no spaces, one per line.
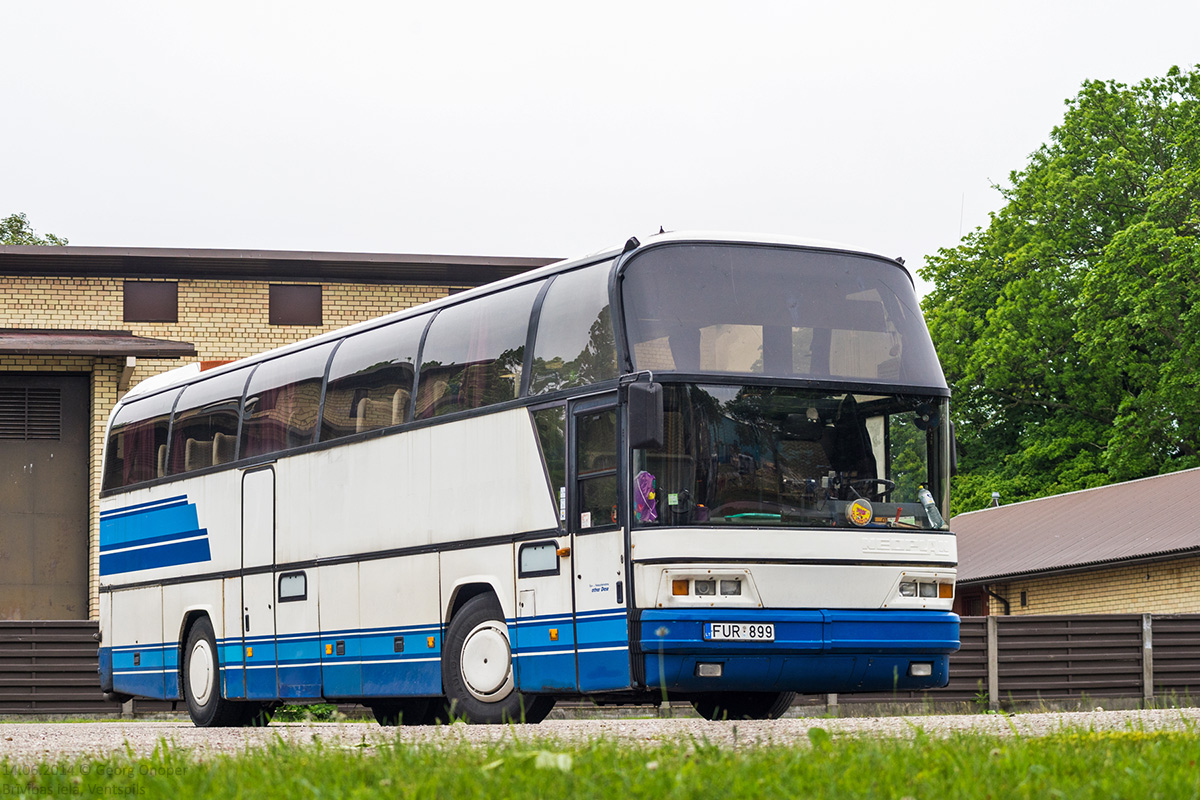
{"x":1130,"y":547}
{"x":79,"y":326}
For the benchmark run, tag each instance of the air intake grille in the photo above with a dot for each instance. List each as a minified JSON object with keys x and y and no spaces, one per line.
{"x":28,"y":413}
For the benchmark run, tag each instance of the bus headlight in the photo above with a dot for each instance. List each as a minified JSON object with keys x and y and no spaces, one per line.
{"x":908,"y":589}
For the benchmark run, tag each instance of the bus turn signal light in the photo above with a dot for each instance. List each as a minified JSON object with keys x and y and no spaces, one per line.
{"x":679,"y":587}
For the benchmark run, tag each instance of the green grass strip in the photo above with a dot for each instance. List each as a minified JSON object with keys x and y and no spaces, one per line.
{"x":1080,"y":764}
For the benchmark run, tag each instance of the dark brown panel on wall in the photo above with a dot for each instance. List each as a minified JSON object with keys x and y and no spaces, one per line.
{"x":295,"y":305}
{"x":151,"y":301}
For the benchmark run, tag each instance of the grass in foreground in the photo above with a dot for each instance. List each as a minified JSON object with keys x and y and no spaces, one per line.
{"x":1074,"y":764}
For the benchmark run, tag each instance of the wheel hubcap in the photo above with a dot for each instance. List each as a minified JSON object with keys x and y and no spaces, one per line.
{"x":487,"y":662}
{"x":200,"y":672}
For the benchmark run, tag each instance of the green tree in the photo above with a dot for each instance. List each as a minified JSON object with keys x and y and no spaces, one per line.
{"x":1069,"y":327}
{"x":15,"y":229}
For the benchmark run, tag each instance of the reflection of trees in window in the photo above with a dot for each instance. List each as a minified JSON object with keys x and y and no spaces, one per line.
{"x":575,"y":344}
{"x":474,"y":353}
{"x":908,"y":453}
{"x":551,"y":424}
{"x":446,"y":388}
{"x":595,"y":363}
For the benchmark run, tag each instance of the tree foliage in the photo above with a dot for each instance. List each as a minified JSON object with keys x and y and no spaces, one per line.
{"x":15,"y":229}
{"x":1069,"y":328}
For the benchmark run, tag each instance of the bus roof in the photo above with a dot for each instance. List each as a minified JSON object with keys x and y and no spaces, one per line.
{"x":190,"y":372}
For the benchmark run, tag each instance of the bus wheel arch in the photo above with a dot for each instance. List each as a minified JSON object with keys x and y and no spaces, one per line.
{"x":190,"y":618}
{"x":477,"y":667}
{"x":200,"y":672}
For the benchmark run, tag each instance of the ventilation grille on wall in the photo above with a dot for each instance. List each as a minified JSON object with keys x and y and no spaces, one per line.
{"x":28,"y":413}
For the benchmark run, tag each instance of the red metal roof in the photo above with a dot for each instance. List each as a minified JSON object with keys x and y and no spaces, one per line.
{"x":1143,"y":519}
{"x":52,"y":342}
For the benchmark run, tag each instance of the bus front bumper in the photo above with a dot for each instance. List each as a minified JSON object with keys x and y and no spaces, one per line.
{"x":814,"y":651}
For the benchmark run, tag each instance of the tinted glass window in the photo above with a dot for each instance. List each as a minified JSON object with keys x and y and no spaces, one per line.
{"x":371,"y":379}
{"x":283,"y":401}
{"x":778,"y":311}
{"x":475,"y":352}
{"x":770,"y":455}
{"x":137,"y":441}
{"x":206,"y":422}
{"x":551,"y":424}
{"x":574,"y":344}
{"x":596,"y":468}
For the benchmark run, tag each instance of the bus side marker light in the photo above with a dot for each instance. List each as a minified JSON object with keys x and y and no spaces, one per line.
{"x":554,"y":634}
{"x":679,"y":587}
{"x":249,"y":652}
{"x":328,"y":649}
{"x":429,"y":641}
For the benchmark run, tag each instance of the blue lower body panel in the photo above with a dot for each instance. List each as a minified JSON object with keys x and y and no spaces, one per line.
{"x":814,"y":651}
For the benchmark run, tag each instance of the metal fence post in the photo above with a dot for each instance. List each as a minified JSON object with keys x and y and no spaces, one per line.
{"x":993,"y":664}
{"x":1147,"y":659}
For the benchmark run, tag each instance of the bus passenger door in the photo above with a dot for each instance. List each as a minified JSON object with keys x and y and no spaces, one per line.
{"x":598,"y":547}
{"x":258,"y":583}
{"x":544,"y":628}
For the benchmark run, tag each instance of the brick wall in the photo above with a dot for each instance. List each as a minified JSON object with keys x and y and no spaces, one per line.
{"x":222,"y":319}
{"x":1167,"y":587}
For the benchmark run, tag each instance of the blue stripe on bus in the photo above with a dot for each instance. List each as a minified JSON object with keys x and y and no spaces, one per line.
{"x":296,"y":666}
{"x":168,"y":554}
{"x":164,"y":533}
{"x":120,"y":512}
{"x":166,"y":537}
{"x":148,"y":524}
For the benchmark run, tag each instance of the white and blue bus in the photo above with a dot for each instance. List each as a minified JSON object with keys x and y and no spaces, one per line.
{"x":709,"y":468}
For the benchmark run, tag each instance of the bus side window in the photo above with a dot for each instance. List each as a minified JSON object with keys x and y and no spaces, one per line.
{"x":475,"y":352}
{"x":551,"y":425}
{"x":596,"y":468}
{"x":371,"y":379}
{"x":575,"y":344}
{"x":282,"y":402}
{"x":206,"y":422}
{"x":137,"y":443}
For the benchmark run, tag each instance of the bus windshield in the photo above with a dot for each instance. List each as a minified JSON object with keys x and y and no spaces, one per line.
{"x":767,"y":456}
{"x":776,"y":311}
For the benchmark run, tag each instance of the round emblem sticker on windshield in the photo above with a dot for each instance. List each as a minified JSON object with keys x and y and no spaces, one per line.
{"x":859,"y":512}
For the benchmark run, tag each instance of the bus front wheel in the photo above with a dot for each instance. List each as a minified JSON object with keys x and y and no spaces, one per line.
{"x":202,"y":682}
{"x":477,"y":668}
{"x":743,"y":705}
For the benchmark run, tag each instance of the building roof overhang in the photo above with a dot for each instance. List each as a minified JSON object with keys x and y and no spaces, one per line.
{"x":275,"y":265}
{"x":52,"y":342}
{"x":1121,"y":524}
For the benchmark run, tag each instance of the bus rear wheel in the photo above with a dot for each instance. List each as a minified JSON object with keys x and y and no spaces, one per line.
{"x":477,"y":668}
{"x":202,"y":682}
{"x":743,"y":705}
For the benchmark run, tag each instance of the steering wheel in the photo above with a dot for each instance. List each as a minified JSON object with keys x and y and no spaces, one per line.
{"x":867,"y":483}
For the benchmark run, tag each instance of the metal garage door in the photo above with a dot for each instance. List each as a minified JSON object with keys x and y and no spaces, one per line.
{"x":44,"y":469}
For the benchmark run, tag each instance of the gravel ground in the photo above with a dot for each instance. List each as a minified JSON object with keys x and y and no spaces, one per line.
{"x":28,"y":742}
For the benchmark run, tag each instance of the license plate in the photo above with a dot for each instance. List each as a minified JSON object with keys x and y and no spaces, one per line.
{"x":739,"y":631}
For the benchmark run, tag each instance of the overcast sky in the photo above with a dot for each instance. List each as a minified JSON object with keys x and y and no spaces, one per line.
{"x":543,"y":129}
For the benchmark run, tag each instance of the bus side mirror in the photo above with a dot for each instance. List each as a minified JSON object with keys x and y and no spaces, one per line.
{"x":953,"y":451}
{"x":645,"y":415}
